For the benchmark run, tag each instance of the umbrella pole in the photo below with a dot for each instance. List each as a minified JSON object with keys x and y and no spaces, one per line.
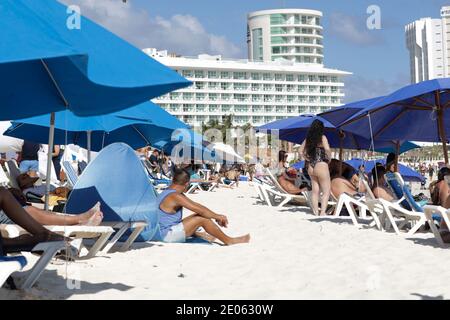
{"x":341,"y":151}
{"x":441,"y":127}
{"x":397,"y":154}
{"x":51,"y":139}
{"x":89,"y":137}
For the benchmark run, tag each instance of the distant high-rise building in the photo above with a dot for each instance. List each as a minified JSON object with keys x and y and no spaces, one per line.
{"x":285,"y":34}
{"x":428,"y":42}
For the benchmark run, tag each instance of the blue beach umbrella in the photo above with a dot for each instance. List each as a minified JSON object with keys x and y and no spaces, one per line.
{"x":295,"y":130}
{"x":407,"y":173}
{"x":145,"y":124}
{"x":418,"y":112}
{"x":47,"y":67}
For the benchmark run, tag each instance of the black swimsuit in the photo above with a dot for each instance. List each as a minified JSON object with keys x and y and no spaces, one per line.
{"x":320,"y":156}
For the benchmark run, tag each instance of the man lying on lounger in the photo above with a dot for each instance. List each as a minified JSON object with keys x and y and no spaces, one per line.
{"x":173,"y":228}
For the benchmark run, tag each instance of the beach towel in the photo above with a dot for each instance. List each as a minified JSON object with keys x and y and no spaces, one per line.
{"x":117,"y":179}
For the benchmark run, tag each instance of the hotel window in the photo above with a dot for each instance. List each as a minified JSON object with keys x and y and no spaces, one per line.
{"x":334,"y":100}
{"x":279,"y":98}
{"x":334,"y":89}
{"x":257,"y":44}
{"x":291,"y":99}
{"x":201,"y":118}
{"x":312,"y":88}
{"x":256,"y":97}
{"x":302,"y":109}
{"x":199,"y":74}
{"x":312,"y":78}
{"x":188,"y":73}
{"x":188,"y":107}
{"x":277,"y":19}
{"x":279,"y":77}
{"x":323,"y":89}
{"x":256,"y":76}
{"x":279,"y":87}
{"x":276,"y":50}
{"x":291,"y":109}
{"x":267,"y":76}
{"x":226,"y":96}
{"x":212,"y":74}
{"x":281,"y":109}
{"x":213,"y":85}
{"x":302,"y":78}
{"x":224,"y":85}
{"x":240,"y":86}
{"x":268,"y":108}
{"x":267,"y":87}
{"x":213,"y":108}
{"x":240,"y":108}
{"x":200,"y":96}
{"x":257,"y":109}
{"x":199,"y":85}
{"x":301,"y":88}
{"x":289,"y":77}
{"x":256,"y":86}
{"x":323,"y":99}
{"x":290,"y":88}
{"x":226,"y":108}
{"x":240,"y":97}
{"x":317,"y":21}
{"x":174,"y":95}
{"x":307,"y":59}
{"x":174,"y":107}
{"x":239,"y":75}
{"x":187,"y":96}
{"x":200,"y":107}
{"x":334,"y":79}
{"x":225,"y":75}
{"x":323,"y":79}
{"x":304,"y":20}
{"x":278,"y":40}
{"x":213,"y":96}
{"x":258,"y":119}
{"x":267,"y":97}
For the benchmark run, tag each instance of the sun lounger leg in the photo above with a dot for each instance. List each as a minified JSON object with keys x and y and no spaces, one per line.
{"x":50,"y":249}
{"x":119,"y":233}
{"x":98,"y":245}
{"x":136,"y":232}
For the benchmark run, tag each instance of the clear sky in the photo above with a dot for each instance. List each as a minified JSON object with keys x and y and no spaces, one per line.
{"x":377,"y":58}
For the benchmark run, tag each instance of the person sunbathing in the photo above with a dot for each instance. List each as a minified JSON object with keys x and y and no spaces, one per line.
{"x":172,"y":226}
{"x":287,"y":176}
{"x":379,"y":186}
{"x":346,"y":181}
{"x":14,"y":211}
{"x":440,"y":195}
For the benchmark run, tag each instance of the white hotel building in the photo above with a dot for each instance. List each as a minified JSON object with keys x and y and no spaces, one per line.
{"x":428,"y":42}
{"x":269,"y":88}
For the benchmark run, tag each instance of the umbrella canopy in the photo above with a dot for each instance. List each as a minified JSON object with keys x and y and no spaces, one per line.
{"x":47,"y":67}
{"x":142,"y":125}
{"x":338,"y":115}
{"x":407,"y":173}
{"x":295,"y":130}
{"x":186,"y":145}
{"x":418,"y":112}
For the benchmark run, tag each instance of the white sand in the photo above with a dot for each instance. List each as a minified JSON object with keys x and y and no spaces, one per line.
{"x":292,"y":255}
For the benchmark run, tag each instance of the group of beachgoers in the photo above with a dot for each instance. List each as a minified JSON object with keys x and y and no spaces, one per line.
{"x":332,"y":178}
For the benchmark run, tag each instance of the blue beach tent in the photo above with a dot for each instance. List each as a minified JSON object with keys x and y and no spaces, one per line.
{"x":117,"y":179}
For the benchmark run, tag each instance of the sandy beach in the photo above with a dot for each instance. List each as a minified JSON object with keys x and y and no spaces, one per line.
{"x":292,"y":255}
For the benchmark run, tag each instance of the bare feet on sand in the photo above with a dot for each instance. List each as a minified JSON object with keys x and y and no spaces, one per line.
{"x":238,"y":240}
{"x":93,"y":217}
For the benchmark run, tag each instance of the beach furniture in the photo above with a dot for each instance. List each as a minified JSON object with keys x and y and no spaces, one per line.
{"x":100,"y":235}
{"x":276,"y":191}
{"x":348,"y":202}
{"x":46,"y":250}
{"x":116,"y":179}
{"x":4,"y":179}
{"x":9,"y":265}
{"x":71,"y":174}
{"x":434,"y":213}
{"x":405,"y":209}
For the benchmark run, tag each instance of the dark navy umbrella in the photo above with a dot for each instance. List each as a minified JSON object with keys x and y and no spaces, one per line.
{"x":418,"y":112}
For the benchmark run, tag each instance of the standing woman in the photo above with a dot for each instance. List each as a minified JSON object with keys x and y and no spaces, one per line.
{"x":316,"y":151}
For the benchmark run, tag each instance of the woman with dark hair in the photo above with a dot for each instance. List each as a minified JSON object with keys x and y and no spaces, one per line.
{"x":345,"y":182}
{"x":439,"y":190}
{"x":316,"y":151}
{"x":379,"y":186}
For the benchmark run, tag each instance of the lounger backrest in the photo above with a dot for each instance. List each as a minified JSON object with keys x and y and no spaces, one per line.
{"x":13,"y":172}
{"x":369,"y":193}
{"x":400,"y":190}
{"x":275,"y":181}
{"x":4,"y":180}
{"x":72,"y":176}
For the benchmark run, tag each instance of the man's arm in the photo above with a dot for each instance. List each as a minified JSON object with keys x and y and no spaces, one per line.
{"x":185,"y":202}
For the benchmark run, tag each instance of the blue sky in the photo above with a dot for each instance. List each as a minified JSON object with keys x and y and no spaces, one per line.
{"x":378,"y":58}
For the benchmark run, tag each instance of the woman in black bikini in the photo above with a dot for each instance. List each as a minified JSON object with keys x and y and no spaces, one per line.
{"x":316,"y":151}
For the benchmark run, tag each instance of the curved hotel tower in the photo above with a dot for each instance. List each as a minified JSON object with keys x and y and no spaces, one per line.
{"x":283,"y":77}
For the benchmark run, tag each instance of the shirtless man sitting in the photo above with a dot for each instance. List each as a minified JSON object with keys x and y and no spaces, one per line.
{"x":173,"y":228}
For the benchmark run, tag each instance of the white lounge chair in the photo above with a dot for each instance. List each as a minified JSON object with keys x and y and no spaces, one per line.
{"x":432,"y":212}
{"x":100,"y":233}
{"x":9,"y":265}
{"x":404,"y":211}
{"x":71,"y":174}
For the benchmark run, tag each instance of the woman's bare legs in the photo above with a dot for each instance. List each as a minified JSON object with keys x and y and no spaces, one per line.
{"x":192,"y":223}
{"x":91,"y":217}
{"x":322,"y":173}
{"x":315,"y":192}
